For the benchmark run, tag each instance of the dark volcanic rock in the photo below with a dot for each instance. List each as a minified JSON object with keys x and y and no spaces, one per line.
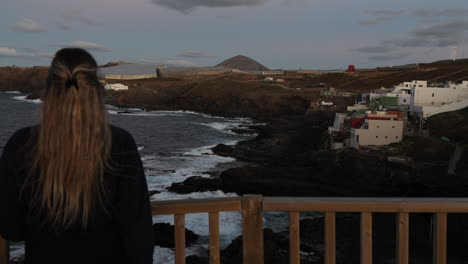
{"x":17,"y":260}
{"x":274,"y":249}
{"x":196,"y":184}
{"x":164,"y":235}
{"x":194,"y":259}
{"x":153,"y":192}
{"x":243,"y":131}
{"x":223,"y":150}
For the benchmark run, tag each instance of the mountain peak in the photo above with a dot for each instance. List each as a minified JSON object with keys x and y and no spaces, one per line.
{"x":241,"y":62}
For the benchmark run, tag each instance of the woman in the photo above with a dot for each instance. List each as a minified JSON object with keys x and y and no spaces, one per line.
{"x":73,"y":187}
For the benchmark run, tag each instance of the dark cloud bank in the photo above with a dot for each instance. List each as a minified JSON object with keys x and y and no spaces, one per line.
{"x":186,"y":6}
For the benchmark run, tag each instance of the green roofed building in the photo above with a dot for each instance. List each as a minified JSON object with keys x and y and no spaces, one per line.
{"x":389,"y":101}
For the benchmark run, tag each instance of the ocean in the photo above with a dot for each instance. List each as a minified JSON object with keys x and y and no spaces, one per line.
{"x":173,"y":146}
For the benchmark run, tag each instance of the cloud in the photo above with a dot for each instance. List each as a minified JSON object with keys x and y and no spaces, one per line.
{"x":381,"y":16}
{"x":385,"y":12}
{"x":227,"y":17}
{"x":438,"y":35}
{"x":77,"y":17}
{"x":407,"y":42}
{"x":45,"y":54}
{"x":28,"y":25}
{"x":168,"y":62}
{"x":63,"y":26}
{"x":433,"y":12}
{"x":84,"y":45}
{"x":389,"y":57}
{"x":195,"y":54}
{"x":186,"y":6}
{"x":8,"y":52}
{"x":376,"y":49}
{"x":29,"y":53}
{"x":300,"y":3}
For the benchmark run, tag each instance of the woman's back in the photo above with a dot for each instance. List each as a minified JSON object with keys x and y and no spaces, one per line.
{"x":76,"y":199}
{"x":126,"y":220}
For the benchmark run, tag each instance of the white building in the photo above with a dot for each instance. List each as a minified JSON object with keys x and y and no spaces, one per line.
{"x":433,"y":100}
{"x":338,"y":125}
{"x":403,"y":93}
{"x":377,"y":130}
{"x":116,"y":87}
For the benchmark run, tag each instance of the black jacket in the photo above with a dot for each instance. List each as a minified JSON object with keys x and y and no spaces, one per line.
{"x":121,"y":233}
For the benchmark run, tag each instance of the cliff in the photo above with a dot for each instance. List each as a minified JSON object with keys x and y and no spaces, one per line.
{"x":217,"y":96}
{"x":26,"y":80}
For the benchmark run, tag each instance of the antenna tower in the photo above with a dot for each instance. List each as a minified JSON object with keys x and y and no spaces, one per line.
{"x":453,"y":53}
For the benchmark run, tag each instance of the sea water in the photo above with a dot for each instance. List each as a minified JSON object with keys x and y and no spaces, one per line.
{"x":173,"y":145}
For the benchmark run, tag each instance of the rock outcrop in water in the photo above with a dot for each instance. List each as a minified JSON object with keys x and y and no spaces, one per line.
{"x":164,"y":235}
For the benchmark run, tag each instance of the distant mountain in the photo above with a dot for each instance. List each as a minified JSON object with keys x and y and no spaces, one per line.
{"x":450,"y":62}
{"x":243,"y":63}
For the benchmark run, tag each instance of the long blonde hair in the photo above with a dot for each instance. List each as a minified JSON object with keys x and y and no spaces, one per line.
{"x":74,"y":140}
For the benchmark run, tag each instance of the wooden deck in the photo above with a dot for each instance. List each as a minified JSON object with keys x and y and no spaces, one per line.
{"x":253,"y":206}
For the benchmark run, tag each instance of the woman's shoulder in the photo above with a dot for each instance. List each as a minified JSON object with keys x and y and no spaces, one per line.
{"x":22,"y":135}
{"x":119,"y":133}
{"x":121,"y":138}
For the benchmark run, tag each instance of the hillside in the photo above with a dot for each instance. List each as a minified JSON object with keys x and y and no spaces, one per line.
{"x":243,"y":63}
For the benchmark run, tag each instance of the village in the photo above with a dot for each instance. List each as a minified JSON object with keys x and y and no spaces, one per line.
{"x":387,"y":115}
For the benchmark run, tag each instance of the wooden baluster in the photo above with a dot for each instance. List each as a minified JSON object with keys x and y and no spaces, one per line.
{"x":330,"y":238}
{"x":179,"y":236}
{"x":4,"y":251}
{"x":366,"y":238}
{"x":440,"y":238}
{"x":402,"y":238}
{"x":214,"y":238}
{"x":252,"y":229}
{"x":294,"y":238}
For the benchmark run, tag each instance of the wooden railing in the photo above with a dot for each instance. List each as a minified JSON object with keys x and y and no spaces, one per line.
{"x":253,"y":206}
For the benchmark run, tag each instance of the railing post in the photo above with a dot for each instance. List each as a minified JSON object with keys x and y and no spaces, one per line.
{"x":366,"y":238}
{"x":4,"y":251}
{"x":402,"y":221}
{"x":252,"y":229}
{"x":440,"y":238}
{"x":179,"y":237}
{"x":330,"y":238}
{"x":214,"y":237}
{"x":294,"y":238}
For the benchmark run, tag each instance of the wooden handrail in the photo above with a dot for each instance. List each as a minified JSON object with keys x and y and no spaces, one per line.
{"x":253,"y":206}
{"x":375,"y":205}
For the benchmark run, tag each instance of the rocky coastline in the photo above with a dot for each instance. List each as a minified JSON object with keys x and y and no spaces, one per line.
{"x":290,"y":160}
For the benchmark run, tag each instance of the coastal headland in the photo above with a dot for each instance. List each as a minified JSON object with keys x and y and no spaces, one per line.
{"x":289,"y":152}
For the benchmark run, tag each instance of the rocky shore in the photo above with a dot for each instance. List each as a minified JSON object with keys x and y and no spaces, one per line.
{"x":290,"y":160}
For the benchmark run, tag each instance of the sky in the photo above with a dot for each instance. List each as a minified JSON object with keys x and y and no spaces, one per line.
{"x":281,"y":34}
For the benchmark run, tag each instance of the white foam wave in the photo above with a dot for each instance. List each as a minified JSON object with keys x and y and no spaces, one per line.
{"x":141,"y":112}
{"x":12,"y":92}
{"x":230,"y":222}
{"x":166,"y":255}
{"x":23,"y":98}
{"x":195,"y":162}
{"x":16,"y":251}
